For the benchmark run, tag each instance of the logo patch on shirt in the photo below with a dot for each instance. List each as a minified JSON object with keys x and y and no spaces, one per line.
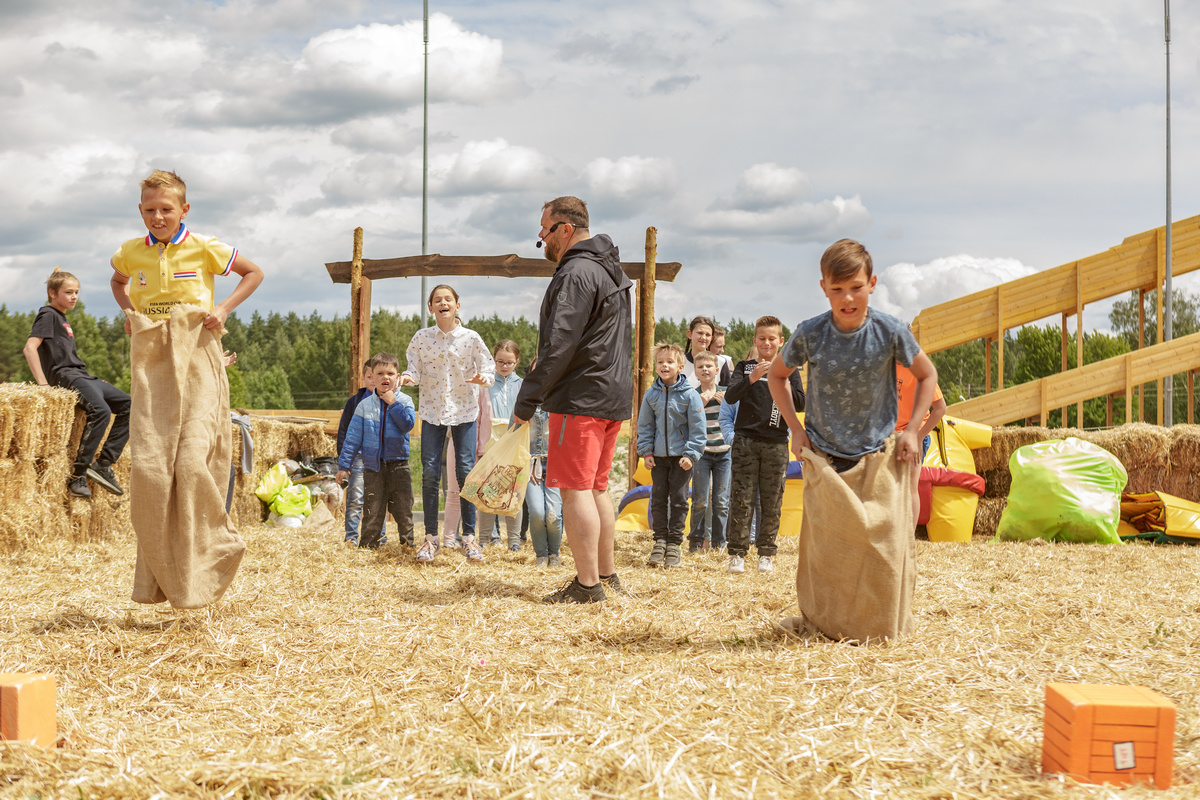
{"x":141,"y":279}
{"x":185,"y":274}
{"x":67,"y":328}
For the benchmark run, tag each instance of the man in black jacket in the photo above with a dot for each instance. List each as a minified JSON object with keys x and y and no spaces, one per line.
{"x":584,"y":378}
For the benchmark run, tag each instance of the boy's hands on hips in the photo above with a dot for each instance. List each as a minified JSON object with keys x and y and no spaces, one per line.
{"x":216,"y":318}
{"x":685,"y":462}
{"x":908,"y":447}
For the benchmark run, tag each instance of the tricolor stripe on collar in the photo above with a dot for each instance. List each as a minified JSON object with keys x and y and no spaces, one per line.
{"x":179,"y":236}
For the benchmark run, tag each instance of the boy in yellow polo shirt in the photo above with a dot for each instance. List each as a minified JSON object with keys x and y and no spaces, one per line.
{"x":180,"y":435}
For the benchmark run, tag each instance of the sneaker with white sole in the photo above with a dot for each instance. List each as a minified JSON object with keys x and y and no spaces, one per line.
{"x":575,"y":592}
{"x":542,"y":562}
{"x":78,"y":487}
{"x":673,"y":557}
{"x":766,"y":563}
{"x":472,"y":550}
{"x":429,"y":550}
{"x":737,"y":564}
{"x":554,"y":561}
{"x":657,"y":553}
{"x":612,"y":583}
{"x":103,"y":475}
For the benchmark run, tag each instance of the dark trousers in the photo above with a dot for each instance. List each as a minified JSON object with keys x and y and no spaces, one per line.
{"x":669,"y":498}
{"x":387,"y":491}
{"x":762,"y":466}
{"x":101,"y":401}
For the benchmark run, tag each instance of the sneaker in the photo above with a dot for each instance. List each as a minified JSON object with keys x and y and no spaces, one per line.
{"x":514,"y":548}
{"x":554,"y":561}
{"x":737,"y":564}
{"x":103,"y":475}
{"x":766,"y":563}
{"x":351,"y":542}
{"x":694,"y":547}
{"x":472,"y":550}
{"x":542,"y":562}
{"x":78,"y":487}
{"x":573,"y":592}
{"x":613,"y":584}
{"x":429,"y":549}
{"x":673,"y":556}
{"x":657,"y":553}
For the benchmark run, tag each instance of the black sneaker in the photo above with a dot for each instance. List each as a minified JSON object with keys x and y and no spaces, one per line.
{"x":78,"y":487}
{"x":657,"y":553}
{"x":103,"y":475}
{"x":574,"y":592}
{"x":613,"y":584}
{"x":673,"y":557}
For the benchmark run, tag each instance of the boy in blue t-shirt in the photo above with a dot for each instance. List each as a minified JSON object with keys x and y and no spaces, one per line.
{"x":850,"y":416}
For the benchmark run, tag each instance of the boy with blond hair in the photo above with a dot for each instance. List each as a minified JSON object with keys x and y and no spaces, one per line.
{"x":760,"y":448}
{"x":671,"y":437}
{"x":180,"y":435}
{"x":856,"y":570}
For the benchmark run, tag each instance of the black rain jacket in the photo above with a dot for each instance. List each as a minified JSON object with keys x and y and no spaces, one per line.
{"x":585,"y":338}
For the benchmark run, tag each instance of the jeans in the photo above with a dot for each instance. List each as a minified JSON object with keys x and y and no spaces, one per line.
{"x":711,"y":472}
{"x":389,"y":490}
{"x":354,"y":499}
{"x":487,"y":525}
{"x":668,"y":498}
{"x":101,"y":401}
{"x":545,"y":518}
{"x":433,"y":441}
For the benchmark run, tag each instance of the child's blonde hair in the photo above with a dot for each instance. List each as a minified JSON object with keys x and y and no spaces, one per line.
{"x":842,"y":260}
{"x":675,"y":350}
{"x":508,"y":346}
{"x":57,"y":278}
{"x":161,"y":179}
{"x":706,"y":357}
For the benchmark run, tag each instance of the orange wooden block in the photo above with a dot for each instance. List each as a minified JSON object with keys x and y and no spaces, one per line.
{"x":27,"y":708}
{"x":1109,"y":734}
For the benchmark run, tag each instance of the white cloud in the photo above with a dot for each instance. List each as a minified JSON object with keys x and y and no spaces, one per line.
{"x":905,"y":289}
{"x":801,"y":222}
{"x":619,"y":188}
{"x":769,"y":185}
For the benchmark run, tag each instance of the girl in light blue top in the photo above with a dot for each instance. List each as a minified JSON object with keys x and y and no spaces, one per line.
{"x":503,"y":393}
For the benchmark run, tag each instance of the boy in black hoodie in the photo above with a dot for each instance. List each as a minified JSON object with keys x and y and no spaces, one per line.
{"x":760,"y":448}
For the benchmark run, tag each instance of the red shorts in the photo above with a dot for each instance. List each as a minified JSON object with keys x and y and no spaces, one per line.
{"x":581,"y":451}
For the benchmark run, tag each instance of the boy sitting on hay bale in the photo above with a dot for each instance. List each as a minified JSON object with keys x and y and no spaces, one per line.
{"x":856,"y":569}
{"x":188,"y":550}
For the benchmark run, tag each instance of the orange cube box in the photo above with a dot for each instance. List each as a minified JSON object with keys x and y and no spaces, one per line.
{"x":27,"y":708}
{"x":1109,"y":734}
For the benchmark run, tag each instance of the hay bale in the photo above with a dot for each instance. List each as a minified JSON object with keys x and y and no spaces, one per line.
{"x":987,"y":517}
{"x":35,"y":423}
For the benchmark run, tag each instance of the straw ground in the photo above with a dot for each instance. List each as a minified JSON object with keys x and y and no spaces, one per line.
{"x":335,"y":672}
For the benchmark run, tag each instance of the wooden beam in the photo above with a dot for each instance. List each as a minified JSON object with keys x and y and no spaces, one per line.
{"x":1000,"y":338}
{"x":1065,"y":363}
{"x":1191,"y":383}
{"x":646,"y":367}
{"x":987,"y":366}
{"x":1141,"y":390}
{"x":1082,"y":383}
{"x":1126,"y":267}
{"x":357,"y":356}
{"x":1078,"y":338}
{"x":510,"y":266}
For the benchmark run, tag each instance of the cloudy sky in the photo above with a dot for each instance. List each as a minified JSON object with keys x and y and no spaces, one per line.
{"x":964,"y":141}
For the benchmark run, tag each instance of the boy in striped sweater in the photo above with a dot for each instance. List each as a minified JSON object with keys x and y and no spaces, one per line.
{"x":712,"y":472}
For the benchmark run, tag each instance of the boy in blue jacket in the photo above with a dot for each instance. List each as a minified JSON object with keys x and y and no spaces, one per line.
{"x":379,"y":432}
{"x":354,"y":487}
{"x":672,"y":432}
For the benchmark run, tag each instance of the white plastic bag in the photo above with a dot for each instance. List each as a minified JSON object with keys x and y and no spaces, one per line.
{"x":497,"y":483}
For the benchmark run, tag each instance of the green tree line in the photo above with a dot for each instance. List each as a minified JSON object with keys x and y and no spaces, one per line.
{"x":289,"y":361}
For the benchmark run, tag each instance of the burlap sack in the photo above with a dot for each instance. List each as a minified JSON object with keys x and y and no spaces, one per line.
{"x":857,"y":569}
{"x":180,"y":442}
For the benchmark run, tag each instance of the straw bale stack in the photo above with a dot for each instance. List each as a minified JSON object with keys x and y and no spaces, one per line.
{"x":1184,"y":480}
{"x":35,"y":422}
{"x":987,"y":516}
{"x":274,"y":441}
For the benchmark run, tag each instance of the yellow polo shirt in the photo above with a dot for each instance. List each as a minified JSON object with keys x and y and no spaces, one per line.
{"x":165,"y":274}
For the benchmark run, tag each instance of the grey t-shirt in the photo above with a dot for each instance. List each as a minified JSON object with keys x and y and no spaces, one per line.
{"x":851,"y":405}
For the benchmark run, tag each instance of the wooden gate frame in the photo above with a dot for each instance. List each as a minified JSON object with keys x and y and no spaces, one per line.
{"x":359,"y":272}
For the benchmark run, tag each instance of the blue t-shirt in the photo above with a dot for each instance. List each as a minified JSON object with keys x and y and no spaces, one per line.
{"x":851,"y":398}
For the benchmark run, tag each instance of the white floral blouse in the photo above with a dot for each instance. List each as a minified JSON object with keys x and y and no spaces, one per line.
{"x":440,"y":363}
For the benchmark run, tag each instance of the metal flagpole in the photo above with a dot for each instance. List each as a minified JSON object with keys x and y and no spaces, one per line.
{"x":425,"y":171}
{"x":1169,"y":381}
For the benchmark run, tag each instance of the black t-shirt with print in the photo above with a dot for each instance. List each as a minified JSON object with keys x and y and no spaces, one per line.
{"x":60,"y":361}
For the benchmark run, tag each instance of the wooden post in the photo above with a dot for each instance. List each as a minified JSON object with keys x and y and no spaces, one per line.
{"x":1064,"y":361}
{"x":643,"y":371}
{"x":1108,"y":411}
{"x":356,"y":342}
{"x":987,"y":366}
{"x":1000,"y":339}
{"x":1078,"y":336}
{"x":1160,"y":279}
{"x":1191,"y":379}
{"x":1141,"y":343}
{"x":632,"y":456}
{"x":1128,"y":388}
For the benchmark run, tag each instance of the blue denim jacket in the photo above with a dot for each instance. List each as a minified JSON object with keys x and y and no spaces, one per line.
{"x":378,"y":434}
{"x":671,"y":421}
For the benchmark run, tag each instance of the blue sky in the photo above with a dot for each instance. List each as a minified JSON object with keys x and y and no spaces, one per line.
{"x":963,"y":142}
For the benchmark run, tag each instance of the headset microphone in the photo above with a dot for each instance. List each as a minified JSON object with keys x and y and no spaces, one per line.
{"x":539,"y":244}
